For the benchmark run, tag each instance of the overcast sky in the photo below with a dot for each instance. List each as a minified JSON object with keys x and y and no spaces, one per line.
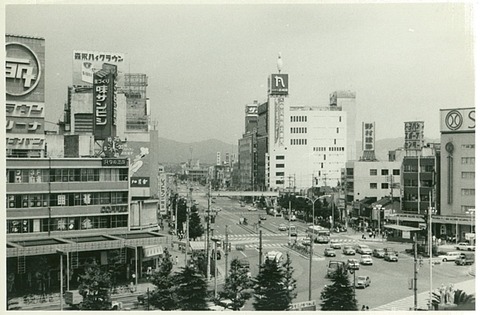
{"x":205,"y":62}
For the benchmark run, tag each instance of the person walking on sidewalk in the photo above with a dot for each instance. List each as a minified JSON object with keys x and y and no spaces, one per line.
{"x":176,"y":260}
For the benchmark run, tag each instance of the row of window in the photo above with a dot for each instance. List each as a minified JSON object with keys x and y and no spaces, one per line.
{"x":414,"y":168}
{"x":298,"y":130}
{"x":67,"y":175}
{"x":468,"y":146}
{"x":468,"y":160}
{"x":336,"y":149}
{"x":280,"y":157}
{"x":373,"y":172}
{"x":317,"y":149}
{"x":298,"y":141}
{"x":468,"y":175}
{"x":375,"y":186}
{"x":298,"y":118}
{"x":66,"y":224}
{"x":468,"y":192}
{"x":68,"y":199}
{"x":466,"y":209}
{"x":414,"y":183}
{"x":414,"y":197}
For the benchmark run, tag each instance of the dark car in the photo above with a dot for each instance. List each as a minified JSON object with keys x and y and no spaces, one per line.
{"x":263,"y":217}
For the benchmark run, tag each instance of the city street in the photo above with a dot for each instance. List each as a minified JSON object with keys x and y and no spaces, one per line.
{"x":389,"y":279}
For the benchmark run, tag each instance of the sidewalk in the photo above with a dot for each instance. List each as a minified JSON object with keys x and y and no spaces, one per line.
{"x":406,"y":304}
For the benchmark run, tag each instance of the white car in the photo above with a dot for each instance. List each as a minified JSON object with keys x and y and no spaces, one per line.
{"x":465,"y":246}
{"x":282,"y":227}
{"x":363,"y":249}
{"x":366,"y":260}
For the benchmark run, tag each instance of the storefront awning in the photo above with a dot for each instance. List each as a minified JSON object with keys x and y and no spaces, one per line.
{"x":152,"y":250}
{"x":197,"y":245}
{"x":401,"y":228}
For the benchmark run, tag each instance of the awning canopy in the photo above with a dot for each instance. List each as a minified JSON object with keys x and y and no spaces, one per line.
{"x":152,"y":250}
{"x":401,"y":228}
{"x":197,"y":245}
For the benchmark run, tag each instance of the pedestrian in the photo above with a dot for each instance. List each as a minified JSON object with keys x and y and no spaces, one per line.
{"x":366,"y":308}
{"x":374,"y":234}
{"x":176,"y":260}
{"x":363,"y":236}
{"x":363,"y":307}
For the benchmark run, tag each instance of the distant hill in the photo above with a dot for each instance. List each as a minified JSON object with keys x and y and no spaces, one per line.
{"x":206,"y":151}
{"x":384,"y":145}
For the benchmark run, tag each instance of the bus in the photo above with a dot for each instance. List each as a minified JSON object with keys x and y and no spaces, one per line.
{"x":321,"y":234}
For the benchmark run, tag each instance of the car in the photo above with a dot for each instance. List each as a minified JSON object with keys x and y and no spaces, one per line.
{"x":263,"y":217}
{"x":348,"y":250}
{"x":329,"y":252}
{"x":390,"y":256}
{"x":390,"y":250}
{"x":362,"y":282}
{"x":282,"y":227}
{"x":449,"y":256}
{"x":378,"y":253}
{"x":366,"y":260}
{"x":363,"y":249}
{"x":465,"y":246}
{"x":465,"y":259}
{"x":353,"y":264}
{"x":305,"y":241}
{"x":335,"y":245}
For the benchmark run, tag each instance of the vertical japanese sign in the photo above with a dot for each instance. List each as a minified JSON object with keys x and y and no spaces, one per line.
{"x":368,"y":136}
{"x":104,"y":104}
{"x":162,"y":183}
{"x":414,"y":135}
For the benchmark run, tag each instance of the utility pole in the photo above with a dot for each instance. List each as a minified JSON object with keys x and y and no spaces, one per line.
{"x":226,"y":250}
{"x":289,"y":221}
{"x":415,"y":272}
{"x":208,"y":232}
{"x":310,"y":269}
{"x":260,"y":249}
{"x":187,"y":242}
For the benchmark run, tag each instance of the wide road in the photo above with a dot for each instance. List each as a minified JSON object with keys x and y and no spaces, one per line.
{"x":389,"y":279}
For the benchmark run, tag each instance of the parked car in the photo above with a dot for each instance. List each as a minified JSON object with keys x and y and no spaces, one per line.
{"x":366,"y":260}
{"x":282,"y":227}
{"x":363,"y":249}
{"x":390,"y":256}
{"x":378,"y":253}
{"x":263,"y":217}
{"x":465,"y":259}
{"x":329,"y":252}
{"x":449,"y":256}
{"x":363,"y":282}
{"x":353,"y":264}
{"x":348,"y":250}
{"x":465,"y":246}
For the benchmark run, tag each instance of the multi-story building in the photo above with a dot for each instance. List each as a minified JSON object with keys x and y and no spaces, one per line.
{"x":247,"y":149}
{"x":346,"y":100}
{"x":79,"y":206}
{"x":457,"y":155}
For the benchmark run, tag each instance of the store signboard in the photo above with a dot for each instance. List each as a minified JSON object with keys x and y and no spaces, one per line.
{"x":457,"y":120}
{"x":414,"y":135}
{"x":368,"y":136}
{"x":86,"y":63}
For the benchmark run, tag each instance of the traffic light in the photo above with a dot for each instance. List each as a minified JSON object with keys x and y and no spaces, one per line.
{"x":229,"y":247}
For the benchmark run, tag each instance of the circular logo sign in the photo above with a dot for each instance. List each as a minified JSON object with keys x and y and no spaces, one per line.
{"x":453,"y":120}
{"x":23,"y":70}
{"x":449,"y":147}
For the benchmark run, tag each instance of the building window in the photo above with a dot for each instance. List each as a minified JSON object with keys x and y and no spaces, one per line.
{"x":468,"y":175}
{"x":396,"y":172}
{"x":468,"y":160}
{"x":280,"y":165}
{"x":280,"y":157}
{"x":280,"y":174}
{"x":334,"y":141}
{"x":279,"y":182}
{"x":384,"y":185}
{"x":384,"y":171}
{"x":338,"y":129}
{"x":466,"y":208}
{"x":468,"y":192}
{"x":373,"y":172}
{"x":373,"y":185}
{"x":468,"y":146}
{"x":339,"y":118}
{"x":321,"y":165}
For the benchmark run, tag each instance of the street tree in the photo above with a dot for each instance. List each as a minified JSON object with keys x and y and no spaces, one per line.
{"x":116,"y":264}
{"x":270,"y":290}
{"x":95,"y":287}
{"x":195,"y":226}
{"x":163,"y":297}
{"x":339,"y":295}
{"x":289,"y":282}
{"x":237,"y":285}
{"x":191,"y":289}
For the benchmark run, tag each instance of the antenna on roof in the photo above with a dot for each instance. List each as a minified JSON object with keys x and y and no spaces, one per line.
{"x":279,"y":62}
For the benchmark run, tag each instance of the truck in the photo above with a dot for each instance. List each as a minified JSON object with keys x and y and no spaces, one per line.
{"x":465,"y":259}
{"x":333,"y":265}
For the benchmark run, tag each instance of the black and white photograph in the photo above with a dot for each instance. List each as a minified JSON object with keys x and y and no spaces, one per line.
{"x":244,"y":156}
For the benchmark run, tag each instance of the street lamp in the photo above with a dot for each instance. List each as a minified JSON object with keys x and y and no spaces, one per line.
{"x":313,"y":205}
{"x":352,"y":271}
{"x":471,"y":212}
{"x":61,"y":253}
{"x":215,"y":241}
{"x":431,"y":210}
